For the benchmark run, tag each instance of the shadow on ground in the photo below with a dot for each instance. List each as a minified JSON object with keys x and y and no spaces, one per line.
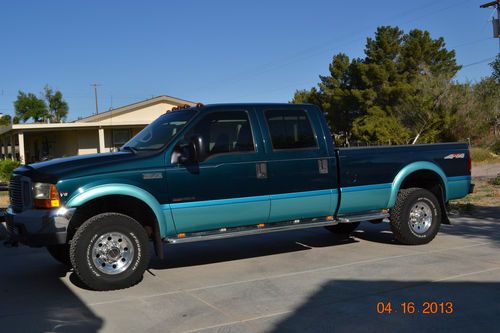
{"x":351,"y":306}
{"x":209,"y":252}
{"x":34,"y":298}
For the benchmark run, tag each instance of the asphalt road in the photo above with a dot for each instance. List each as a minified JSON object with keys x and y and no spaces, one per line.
{"x":300,"y":281}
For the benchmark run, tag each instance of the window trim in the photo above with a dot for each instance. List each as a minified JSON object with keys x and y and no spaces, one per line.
{"x":247,"y":113}
{"x":317,"y":147}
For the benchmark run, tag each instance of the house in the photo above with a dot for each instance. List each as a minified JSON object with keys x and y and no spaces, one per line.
{"x":99,"y":133}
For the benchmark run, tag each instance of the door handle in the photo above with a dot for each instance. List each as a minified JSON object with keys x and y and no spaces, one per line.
{"x":261,"y":169}
{"x":323,"y":166}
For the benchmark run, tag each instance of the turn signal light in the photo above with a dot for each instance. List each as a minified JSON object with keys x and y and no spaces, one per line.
{"x":50,"y":201}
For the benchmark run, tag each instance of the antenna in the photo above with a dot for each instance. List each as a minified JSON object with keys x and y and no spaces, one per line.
{"x":95,"y":85}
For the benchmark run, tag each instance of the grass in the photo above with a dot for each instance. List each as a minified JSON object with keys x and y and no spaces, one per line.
{"x":483,"y":155}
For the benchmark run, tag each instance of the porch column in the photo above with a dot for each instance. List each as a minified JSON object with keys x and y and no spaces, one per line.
{"x":20,"y":137}
{"x":12,"y":147}
{"x":101,"y":140}
{"x":4,"y":148}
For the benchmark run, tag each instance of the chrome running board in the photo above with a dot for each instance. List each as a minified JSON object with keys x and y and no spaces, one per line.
{"x":362,"y":217}
{"x":247,"y":231}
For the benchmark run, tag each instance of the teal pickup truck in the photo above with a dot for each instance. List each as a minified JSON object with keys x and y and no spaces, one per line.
{"x":226,"y":170}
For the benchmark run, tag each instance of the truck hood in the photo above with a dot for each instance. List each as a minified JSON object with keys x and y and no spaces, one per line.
{"x":78,"y":166}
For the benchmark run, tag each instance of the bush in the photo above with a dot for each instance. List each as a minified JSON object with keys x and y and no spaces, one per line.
{"x":496,"y":180}
{"x":6,"y":168}
{"x":480,"y":154}
{"x":495,"y":148}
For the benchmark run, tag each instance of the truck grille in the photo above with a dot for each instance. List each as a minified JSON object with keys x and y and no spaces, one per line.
{"x":19,"y":193}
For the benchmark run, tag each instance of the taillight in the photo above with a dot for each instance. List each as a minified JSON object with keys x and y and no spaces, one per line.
{"x":469,"y":162}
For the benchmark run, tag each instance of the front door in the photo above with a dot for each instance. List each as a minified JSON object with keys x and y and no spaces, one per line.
{"x":223,"y":190}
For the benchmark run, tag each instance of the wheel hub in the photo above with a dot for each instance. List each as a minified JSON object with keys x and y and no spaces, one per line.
{"x":420,"y":217}
{"x":112,"y":253}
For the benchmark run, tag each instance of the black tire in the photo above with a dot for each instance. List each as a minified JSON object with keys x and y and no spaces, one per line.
{"x":88,"y":239}
{"x":406,"y":230}
{"x":60,"y":253}
{"x":343,"y":228}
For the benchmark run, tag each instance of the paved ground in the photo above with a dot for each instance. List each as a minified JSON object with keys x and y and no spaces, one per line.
{"x":300,"y":281}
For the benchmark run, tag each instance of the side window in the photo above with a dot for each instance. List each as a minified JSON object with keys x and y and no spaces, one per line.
{"x":290,"y":129}
{"x":224,"y":132}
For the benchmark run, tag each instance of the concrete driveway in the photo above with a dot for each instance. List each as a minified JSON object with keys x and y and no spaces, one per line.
{"x":300,"y":281}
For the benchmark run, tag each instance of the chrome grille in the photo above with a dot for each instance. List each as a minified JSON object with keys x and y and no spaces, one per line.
{"x":19,"y":192}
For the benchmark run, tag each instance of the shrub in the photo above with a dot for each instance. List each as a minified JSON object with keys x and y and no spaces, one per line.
{"x":495,"y":148}
{"x":496,"y":180}
{"x":480,"y":154}
{"x":6,"y":168}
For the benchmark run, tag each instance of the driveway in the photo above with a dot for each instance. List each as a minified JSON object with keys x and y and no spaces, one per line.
{"x":299,"y":281}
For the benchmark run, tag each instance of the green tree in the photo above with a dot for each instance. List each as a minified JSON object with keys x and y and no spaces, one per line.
{"x":57,"y":106}
{"x":29,"y":106}
{"x":495,"y":66}
{"x":370,"y":98}
{"x":5,"y":120}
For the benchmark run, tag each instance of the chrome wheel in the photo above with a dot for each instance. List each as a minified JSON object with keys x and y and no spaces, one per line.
{"x":420,"y":217}
{"x":112,"y":253}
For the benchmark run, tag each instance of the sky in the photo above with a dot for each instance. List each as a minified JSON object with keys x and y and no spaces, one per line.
{"x":215,"y":51}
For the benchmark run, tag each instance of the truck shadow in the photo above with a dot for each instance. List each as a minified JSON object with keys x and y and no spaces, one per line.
{"x":35,"y":299}
{"x":351,"y":306}
{"x":203,"y":253}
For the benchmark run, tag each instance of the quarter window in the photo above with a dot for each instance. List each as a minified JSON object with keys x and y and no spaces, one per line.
{"x":224,"y":132}
{"x":290,"y":129}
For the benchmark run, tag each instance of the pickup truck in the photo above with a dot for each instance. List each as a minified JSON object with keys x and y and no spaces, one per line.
{"x":226,"y":170}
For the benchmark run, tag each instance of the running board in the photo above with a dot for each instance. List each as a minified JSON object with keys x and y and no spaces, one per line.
{"x":362,"y":217}
{"x":247,"y":231}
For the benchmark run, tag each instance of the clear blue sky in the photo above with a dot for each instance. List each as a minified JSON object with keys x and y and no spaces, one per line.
{"x":210,"y":51}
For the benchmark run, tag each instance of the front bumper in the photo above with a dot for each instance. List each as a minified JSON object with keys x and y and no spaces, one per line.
{"x":38,"y":227}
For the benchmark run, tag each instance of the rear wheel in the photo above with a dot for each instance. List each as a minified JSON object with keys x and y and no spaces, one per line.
{"x":60,"y":253}
{"x":416,"y":216}
{"x":343,"y":228}
{"x":110,"y":251}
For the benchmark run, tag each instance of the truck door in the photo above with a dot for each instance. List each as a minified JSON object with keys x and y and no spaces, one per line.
{"x":302,"y":174}
{"x":224,"y":189}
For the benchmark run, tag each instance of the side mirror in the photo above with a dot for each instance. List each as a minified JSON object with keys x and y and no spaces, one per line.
{"x":191,"y":151}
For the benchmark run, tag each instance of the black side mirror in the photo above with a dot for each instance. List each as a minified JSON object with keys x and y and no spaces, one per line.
{"x":191,"y":151}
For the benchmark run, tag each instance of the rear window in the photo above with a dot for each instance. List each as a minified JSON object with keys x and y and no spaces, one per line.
{"x":290,"y":129}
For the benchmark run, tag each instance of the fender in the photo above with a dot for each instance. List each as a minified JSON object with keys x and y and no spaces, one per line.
{"x":165,"y":222}
{"x":411,"y":168}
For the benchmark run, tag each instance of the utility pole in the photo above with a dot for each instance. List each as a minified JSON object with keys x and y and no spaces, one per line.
{"x":95,"y":85}
{"x":496,"y":22}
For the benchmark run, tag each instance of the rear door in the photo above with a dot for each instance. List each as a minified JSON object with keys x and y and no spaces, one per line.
{"x":224,"y":189}
{"x":302,"y":175}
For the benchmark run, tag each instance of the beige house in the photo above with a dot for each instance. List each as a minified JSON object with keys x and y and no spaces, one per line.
{"x":99,"y":133}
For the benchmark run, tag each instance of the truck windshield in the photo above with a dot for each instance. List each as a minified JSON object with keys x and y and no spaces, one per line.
{"x":159,"y":133}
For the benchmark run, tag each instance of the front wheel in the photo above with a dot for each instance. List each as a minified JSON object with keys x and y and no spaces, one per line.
{"x":110,"y":251}
{"x":416,"y":216}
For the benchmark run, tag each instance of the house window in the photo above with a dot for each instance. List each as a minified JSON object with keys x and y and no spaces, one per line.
{"x":120,"y":137}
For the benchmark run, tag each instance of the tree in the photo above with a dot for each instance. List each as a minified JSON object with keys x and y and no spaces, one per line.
{"x":5,"y":120}
{"x":29,"y":106}
{"x":495,"y":66}
{"x":374,"y":98}
{"x":57,"y":106}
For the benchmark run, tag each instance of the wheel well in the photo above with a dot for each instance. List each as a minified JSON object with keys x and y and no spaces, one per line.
{"x":426,"y":179}
{"x":130,"y":206}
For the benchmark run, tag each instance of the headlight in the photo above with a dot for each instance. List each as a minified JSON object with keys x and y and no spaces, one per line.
{"x":45,"y":195}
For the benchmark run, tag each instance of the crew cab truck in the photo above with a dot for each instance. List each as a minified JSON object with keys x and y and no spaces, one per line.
{"x":226,"y":170}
